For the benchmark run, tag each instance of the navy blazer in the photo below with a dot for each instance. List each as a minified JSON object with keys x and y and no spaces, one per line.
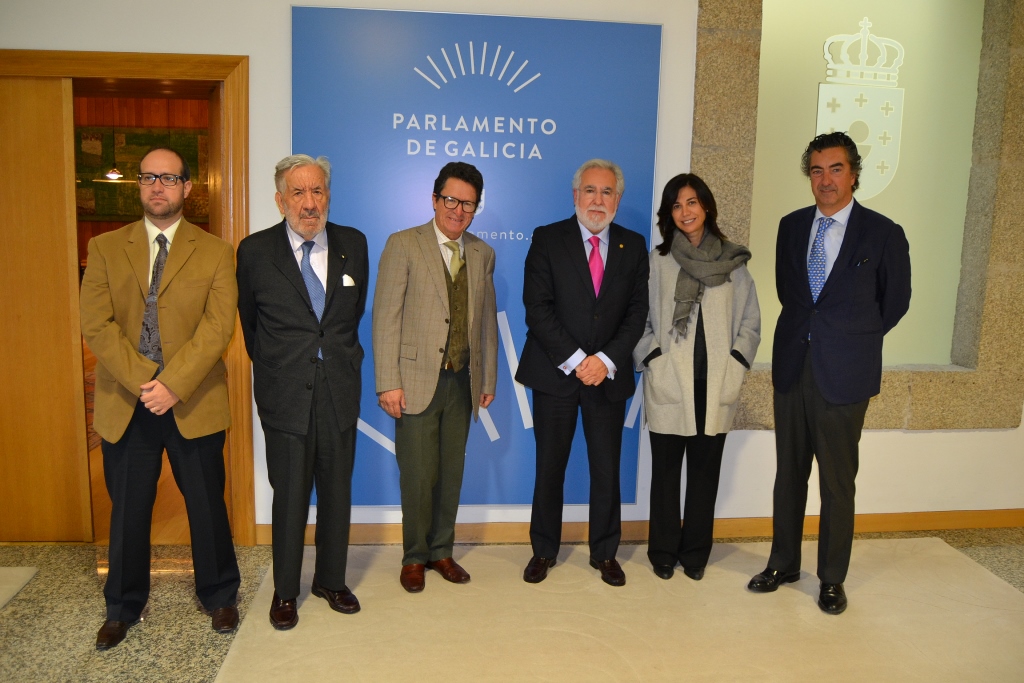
{"x":281,"y":331}
{"x":865,"y":295}
{"x":563,"y":314}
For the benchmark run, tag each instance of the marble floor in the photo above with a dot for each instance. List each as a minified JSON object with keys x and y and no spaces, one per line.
{"x":47,"y":630}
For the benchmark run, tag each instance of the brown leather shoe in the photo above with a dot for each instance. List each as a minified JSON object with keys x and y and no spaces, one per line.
{"x":340,"y":601}
{"x":284,"y":614}
{"x":225,"y":619}
{"x":112,"y":633}
{"x":412,"y":578}
{"x":537,"y":570}
{"x":450,"y":570}
{"x":611,"y":572}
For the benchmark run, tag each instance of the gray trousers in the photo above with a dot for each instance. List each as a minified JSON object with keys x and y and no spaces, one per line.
{"x":431,"y":451}
{"x":806,"y":427}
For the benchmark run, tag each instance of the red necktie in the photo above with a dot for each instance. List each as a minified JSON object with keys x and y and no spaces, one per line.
{"x":596,"y":264}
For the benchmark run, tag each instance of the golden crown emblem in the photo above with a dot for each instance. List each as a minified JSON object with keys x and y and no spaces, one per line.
{"x":863,"y":58}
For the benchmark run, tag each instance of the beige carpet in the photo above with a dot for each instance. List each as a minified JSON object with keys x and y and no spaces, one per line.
{"x":919,"y":611}
{"x":12,"y":580}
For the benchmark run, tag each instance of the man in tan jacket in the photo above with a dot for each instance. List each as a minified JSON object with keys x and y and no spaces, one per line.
{"x":435,"y":346}
{"x":158,"y":311}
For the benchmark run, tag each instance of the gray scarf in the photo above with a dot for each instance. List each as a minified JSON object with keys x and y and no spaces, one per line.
{"x":707,"y":265}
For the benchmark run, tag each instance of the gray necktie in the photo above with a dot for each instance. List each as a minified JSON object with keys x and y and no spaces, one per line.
{"x":149,"y":340}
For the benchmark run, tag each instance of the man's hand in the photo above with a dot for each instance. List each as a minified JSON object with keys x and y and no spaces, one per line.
{"x":592,"y":371}
{"x":393,"y":402}
{"x":157,"y":398}
{"x":485,"y":400}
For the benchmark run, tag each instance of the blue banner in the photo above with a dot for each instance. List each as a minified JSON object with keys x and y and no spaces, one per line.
{"x":390,"y":97}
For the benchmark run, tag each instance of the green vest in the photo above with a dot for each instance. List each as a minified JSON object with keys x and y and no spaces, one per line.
{"x":457,"y":350}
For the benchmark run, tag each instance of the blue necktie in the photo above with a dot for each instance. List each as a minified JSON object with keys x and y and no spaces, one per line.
{"x":317,"y":295}
{"x":816,"y":261}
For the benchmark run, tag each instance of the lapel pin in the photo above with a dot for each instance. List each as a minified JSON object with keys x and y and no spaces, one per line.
{"x":622,"y":246}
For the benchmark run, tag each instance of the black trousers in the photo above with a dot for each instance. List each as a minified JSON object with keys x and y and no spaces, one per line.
{"x":324,"y":455}
{"x":808,"y":426}
{"x":131,"y":468}
{"x":431,"y":451}
{"x":554,"y":427}
{"x":691,"y":543}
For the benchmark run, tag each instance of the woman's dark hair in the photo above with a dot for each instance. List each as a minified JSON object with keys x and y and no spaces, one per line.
{"x":667,"y":226}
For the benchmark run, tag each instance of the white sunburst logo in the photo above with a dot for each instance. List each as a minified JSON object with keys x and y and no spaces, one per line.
{"x":482,"y":71}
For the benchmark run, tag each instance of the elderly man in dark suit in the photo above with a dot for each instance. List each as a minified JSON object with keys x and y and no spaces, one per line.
{"x":585,"y":293}
{"x":302,"y":290}
{"x":158,"y":310}
{"x":435,"y":349}
{"x":843,"y":276}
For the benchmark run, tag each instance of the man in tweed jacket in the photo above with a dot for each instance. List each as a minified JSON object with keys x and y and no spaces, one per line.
{"x":435,"y":345}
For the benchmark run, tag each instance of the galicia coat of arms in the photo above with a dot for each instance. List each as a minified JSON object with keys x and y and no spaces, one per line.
{"x":860,"y":97}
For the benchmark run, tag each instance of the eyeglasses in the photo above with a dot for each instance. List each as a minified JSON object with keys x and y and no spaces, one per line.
{"x":452,"y":202}
{"x":166,"y":179}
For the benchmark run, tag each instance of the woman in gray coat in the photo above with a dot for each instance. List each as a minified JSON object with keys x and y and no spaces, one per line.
{"x":702,"y":333}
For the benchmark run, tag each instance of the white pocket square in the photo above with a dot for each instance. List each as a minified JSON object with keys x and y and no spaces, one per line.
{"x":347,"y":281}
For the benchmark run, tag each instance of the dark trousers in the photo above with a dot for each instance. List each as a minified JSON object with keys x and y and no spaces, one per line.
{"x":131,"y":468}
{"x":554,"y":427}
{"x":808,"y":426}
{"x":691,"y":543}
{"x":324,"y":455}
{"x":431,"y":451}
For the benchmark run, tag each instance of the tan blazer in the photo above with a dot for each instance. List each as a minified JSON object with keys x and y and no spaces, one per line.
{"x":410,"y":317}
{"x":197,"y":301}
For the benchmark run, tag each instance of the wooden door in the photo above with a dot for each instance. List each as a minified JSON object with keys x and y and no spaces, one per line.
{"x":44,"y":469}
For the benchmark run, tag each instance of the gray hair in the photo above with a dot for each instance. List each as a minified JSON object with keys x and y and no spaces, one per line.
{"x":296,"y":160}
{"x":620,"y":181}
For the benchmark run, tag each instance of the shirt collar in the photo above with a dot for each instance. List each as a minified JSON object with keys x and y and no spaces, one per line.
{"x":152,"y":231}
{"x":842,"y":216}
{"x":296,"y":240}
{"x":442,"y":238}
{"x":586,"y":234}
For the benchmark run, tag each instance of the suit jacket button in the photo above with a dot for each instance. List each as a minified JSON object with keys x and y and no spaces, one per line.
{"x":440,"y":350}
{"x":309,"y":385}
{"x":321,"y":333}
{"x":446,"y":321}
{"x":312,"y":359}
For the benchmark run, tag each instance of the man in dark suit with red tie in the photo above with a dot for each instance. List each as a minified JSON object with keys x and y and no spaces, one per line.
{"x":585,"y":293}
{"x":842,"y":273}
{"x":301,"y":293}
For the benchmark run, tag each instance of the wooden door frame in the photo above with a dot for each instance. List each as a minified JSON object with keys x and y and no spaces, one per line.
{"x":229,"y":204}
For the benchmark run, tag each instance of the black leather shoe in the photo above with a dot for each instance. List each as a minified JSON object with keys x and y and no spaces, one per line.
{"x":112,"y":633}
{"x":284,"y":614}
{"x":663,"y":571}
{"x":695,"y":573}
{"x":537,"y":570}
{"x":832,"y":599}
{"x":340,"y":601}
{"x":611,"y":572}
{"x":769,"y":580}
{"x":225,"y":619}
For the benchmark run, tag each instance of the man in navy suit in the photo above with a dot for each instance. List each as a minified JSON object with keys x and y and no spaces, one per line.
{"x":843,"y":276}
{"x":585,"y":293}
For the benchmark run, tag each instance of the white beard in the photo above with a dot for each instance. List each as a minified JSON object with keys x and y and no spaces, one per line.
{"x":591,"y":225}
